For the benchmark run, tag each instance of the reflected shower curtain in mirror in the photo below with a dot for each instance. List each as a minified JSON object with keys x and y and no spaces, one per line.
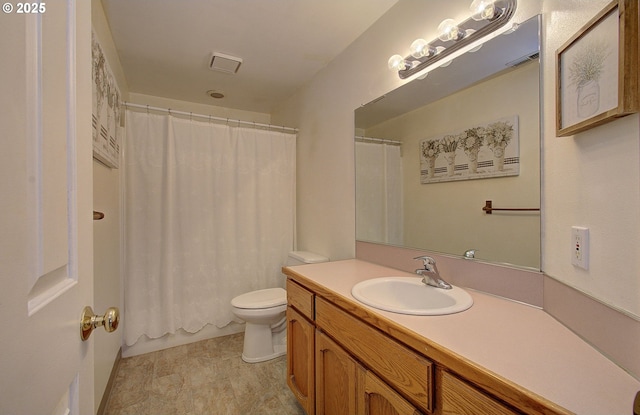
{"x":379,"y":193}
{"x":209,"y":214}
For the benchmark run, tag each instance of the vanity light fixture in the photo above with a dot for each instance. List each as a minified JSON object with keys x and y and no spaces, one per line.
{"x":398,"y":63}
{"x":421,"y":48}
{"x":486,"y":17}
{"x":449,"y":30}
{"x":484,"y":10}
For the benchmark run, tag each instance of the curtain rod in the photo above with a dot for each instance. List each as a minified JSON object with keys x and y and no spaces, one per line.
{"x":209,"y":117}
{"x":378,"y":140}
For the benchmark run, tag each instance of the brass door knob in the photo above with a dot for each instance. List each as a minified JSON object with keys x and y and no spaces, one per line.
{"x":90,"y":321}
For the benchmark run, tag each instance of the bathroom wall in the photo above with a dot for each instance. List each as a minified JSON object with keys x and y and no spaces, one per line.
{"x":106,"y":232}
{"x":591,"y":179}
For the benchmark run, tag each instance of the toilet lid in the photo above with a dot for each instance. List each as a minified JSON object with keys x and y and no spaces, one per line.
{"x":271,"y":297}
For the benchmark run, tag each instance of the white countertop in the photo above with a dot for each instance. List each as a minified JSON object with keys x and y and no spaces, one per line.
{"x":515,"y":341}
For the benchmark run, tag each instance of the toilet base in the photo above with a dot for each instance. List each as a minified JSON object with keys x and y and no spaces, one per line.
{"x":279,"y":350}
{"x":263,"y":342}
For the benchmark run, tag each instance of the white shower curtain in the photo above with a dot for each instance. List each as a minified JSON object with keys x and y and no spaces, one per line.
{"x":379,"y":200}
{"x":209,"y":214}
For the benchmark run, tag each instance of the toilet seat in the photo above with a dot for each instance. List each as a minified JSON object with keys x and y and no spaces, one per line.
{"x":268,"y":298}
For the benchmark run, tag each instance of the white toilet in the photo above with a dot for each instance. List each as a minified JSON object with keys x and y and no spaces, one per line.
{"x":265,"y":333}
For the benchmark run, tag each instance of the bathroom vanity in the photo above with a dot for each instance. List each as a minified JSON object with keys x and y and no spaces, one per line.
{"x":498,"y":357}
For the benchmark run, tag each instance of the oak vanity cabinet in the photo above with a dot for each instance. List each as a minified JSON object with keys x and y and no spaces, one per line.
{"x":341,"y":384}
{"x":301,"y":346}
{"x":339,"y":365}
{"x":376,"y":397}
{"x":336,"y":378}
{"x":458,"y":397}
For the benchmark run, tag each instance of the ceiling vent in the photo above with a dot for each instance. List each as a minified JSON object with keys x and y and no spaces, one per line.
{"x":224,"y":63}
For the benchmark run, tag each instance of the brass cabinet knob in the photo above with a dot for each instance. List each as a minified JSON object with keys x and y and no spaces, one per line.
{"x":90,"y":321}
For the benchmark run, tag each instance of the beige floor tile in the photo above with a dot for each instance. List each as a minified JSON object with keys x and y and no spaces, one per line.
{"x":207,"y":377}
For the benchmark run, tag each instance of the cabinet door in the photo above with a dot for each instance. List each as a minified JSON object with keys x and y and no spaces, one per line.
{"x":404,"y":370}
{"x":336,"y":377}
{"x":300,"y":359}
{"x":376,"y":397}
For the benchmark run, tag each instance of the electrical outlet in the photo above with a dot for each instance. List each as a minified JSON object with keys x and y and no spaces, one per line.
{"x":580,"y":247}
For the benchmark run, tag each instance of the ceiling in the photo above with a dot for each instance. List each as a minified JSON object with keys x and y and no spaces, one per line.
{"x":165,"y":46}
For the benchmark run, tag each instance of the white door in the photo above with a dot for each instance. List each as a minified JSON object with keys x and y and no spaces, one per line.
{"x":46,"y":246}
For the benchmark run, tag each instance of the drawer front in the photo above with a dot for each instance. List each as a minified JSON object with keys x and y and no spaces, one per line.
{"x":406,"y":371}
{"x":458,"y":397}
{"x":300,"y":298}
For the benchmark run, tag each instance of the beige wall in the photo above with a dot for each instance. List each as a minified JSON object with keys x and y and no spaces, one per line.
{"x":447,"y":217}
{"x":593,"y":180}
{"x":106,"y":232}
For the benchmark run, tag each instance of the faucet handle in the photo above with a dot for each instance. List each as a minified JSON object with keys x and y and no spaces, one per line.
{"x":469,"y":254}
{"x":427,"y":261}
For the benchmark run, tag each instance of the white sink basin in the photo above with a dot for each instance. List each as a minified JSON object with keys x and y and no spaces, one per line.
{"x":409,"y":295}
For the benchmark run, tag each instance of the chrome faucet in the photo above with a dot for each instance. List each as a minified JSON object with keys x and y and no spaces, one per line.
{"x":430,"y":274}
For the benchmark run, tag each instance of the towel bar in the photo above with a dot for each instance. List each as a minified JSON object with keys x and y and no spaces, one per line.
{"x":488,"y":208}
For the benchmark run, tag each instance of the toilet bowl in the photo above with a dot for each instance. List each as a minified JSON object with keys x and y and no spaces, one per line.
{"x":265,"y":329}
{"x":265,"y":333}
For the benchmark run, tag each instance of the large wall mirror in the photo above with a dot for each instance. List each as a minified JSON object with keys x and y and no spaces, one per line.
{"x":414,"y":190}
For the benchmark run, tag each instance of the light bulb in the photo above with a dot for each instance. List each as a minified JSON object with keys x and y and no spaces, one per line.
{"x":484,"y":10}
{"x":421,"y":48}
{"x":449,"y":30}
{"x":397,"y":63}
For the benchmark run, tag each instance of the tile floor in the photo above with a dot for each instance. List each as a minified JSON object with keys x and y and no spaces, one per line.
{"x":207,"y":377}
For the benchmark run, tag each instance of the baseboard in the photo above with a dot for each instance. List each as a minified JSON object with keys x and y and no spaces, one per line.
{"x":112,"y":378}
{"x":179,"y":338}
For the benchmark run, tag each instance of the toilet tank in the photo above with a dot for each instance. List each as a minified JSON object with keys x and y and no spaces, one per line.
{"x":304,"y":257}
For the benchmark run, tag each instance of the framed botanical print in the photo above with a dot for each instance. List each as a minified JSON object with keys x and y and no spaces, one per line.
{"x":597,"y":70}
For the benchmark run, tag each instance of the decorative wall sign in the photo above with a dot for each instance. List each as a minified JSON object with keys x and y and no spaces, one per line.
{"x":597,"y":70}
{"x":480,"y":152}
{"x":106,"y":111}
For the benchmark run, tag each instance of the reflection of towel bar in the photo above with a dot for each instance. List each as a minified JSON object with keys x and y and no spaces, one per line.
{"x":97,"y":215}
{"x":488,"y":208}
